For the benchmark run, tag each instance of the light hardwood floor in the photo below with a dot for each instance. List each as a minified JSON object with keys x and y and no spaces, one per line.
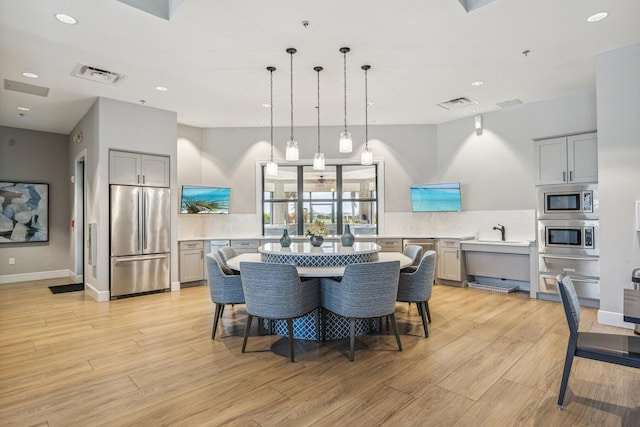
{"x":490,"y":360}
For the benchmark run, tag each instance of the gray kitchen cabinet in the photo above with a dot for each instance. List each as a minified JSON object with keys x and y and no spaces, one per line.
{"x":126,"y":168}
{"x":450,"y":269}
{"x":389,"y":245}
{"x":567,"y":159}
{"x":245,"y":246}
{"x":191,"y":261}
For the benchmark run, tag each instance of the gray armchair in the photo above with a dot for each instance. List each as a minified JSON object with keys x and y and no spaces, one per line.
{"x":414,"y":252}
{"x":366,"y":290}
{"x":224,"y":287}
{"x":274,"y":291}
{"x":416,"y":286}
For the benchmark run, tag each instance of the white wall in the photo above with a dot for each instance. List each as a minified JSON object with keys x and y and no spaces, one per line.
{"x":618,"y":88}
{"x":496,"y":169}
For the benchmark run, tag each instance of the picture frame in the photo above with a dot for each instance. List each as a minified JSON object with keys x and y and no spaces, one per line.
{"x":24,"y":212}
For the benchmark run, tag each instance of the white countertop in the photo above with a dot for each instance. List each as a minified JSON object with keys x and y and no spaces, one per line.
{"x":363,"y":238}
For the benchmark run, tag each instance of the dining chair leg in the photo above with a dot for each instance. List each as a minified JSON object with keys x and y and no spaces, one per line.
{"x":352,"y":338}
{"x":246,"y":331}
{"x":422,"y":310}
{"x":318,"y":324}
{"x":428,"y":312}
{"x":222,"y":310}
{"x":571,"y":349}
{"x":395,"y":330}
{"x":216,"y":317}
{"x":290,"y":331}
{"x":323,"y":315}
{"x":419,"y":308}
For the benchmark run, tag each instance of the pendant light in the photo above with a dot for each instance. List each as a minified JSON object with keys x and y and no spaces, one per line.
{"x":346,"y":143}
{"x":367,"y":154}
{"x":318,"y":158}
{"x":272,"y":167}
{"x":292,"y":144}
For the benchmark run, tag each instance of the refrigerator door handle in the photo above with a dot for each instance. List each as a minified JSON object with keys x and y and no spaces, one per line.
{"x":141,"y":258}
{"x":145,"y":219}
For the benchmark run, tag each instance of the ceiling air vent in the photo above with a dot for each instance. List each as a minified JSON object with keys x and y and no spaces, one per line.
{"x":509,"y":103}
{"x":96,"y":74}
{"x":456,"y":104}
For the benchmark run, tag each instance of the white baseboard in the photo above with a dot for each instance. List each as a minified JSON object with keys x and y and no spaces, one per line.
{"x":39,"y":275}
{"x":100,"y":296}
{"x":613,"y":319}
{"x":175,"y":286}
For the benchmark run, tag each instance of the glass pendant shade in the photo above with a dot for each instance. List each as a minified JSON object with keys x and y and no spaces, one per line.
{"x":271,"y":169}
{"x":292,"y":151}
{"x":346,"y":143}
{"x":367,"y":156}
{"x":318,"y":162}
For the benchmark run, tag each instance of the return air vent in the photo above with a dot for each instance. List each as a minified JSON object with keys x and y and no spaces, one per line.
{"x":96,"y":74}
{"x":509,"y":103}
{"x":456,"y":104}
{"x":26,"y":88}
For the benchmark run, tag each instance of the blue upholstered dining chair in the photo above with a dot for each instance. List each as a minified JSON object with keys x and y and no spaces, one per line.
{"x":367,"y":290}
{"x":224,"y":287}
{"x":414,"y":252}
{"x":416,"y":286}
{"x":226,"y":252}
{"x":275,"y":292}
{"x":612,"y":348}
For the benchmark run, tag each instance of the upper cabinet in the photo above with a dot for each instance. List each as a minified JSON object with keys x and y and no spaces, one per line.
{"x":567,"y":159}
{"x":138,"y":169}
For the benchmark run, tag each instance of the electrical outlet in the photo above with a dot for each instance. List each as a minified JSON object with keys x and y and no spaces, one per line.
{"x":12,"y":261}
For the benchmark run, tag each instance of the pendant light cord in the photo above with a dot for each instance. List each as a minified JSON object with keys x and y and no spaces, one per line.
{"x":366,"y":111}
{"x":271,"y":103}
{"x":318,"y":69}
{"x":345,"y":89}
{"x":292,"y":95}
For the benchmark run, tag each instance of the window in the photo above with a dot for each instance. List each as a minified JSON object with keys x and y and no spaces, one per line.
{"x":341,"y":194}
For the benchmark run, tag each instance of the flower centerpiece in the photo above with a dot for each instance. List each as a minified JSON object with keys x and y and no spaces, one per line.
{"x":317,"y":231}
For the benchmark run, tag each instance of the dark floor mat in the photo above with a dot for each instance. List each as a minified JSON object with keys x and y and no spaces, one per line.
{"x":66,"y":288}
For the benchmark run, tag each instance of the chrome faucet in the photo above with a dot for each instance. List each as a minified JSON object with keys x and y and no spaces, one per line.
{"x":501,"y":228}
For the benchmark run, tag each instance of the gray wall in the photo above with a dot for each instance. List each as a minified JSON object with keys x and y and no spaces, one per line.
{"x":618,"y":87}
{"x":33,"y":156}
{"x":112,"y":124}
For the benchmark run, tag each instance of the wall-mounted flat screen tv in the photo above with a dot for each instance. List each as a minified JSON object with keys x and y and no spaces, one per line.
{"x":197,"y":199}
{"x":436,"y":197}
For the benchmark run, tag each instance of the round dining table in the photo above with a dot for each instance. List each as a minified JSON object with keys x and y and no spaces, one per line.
{"x":329,"y":260}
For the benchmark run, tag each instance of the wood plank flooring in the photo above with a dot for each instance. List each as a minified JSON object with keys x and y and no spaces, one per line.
{"x":490,"y":360}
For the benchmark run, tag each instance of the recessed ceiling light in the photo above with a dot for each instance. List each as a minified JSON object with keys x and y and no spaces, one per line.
{"x":597,"y":17}
{"x":161,"y":89}
{"x":477,"y":83}
{"x":266,"y":105}
{"x":66,"y":19}
{"x":30,"y":75}
{"x":23,"y":108}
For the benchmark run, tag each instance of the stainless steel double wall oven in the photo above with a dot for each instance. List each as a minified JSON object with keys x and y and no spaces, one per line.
{"x":569,"y":238}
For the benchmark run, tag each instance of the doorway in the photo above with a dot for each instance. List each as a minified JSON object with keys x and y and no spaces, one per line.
{"x":78,"y":220}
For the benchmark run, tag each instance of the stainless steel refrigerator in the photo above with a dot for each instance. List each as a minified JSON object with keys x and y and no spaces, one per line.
{"x":140,"y":231}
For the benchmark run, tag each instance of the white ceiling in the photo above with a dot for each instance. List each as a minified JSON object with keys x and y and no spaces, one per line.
{"x":212,"y":56}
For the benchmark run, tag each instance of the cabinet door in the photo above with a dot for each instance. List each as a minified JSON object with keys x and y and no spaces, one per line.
{"x":155,"y":170}
{"x":191,"y":265}
{"x":449,"y":264}
{"x":551,"y":161}
{"x":124,"y":168}
{"x":583,"y":157}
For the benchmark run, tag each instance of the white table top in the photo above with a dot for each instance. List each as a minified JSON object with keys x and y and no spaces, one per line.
{"x":234,"y":263}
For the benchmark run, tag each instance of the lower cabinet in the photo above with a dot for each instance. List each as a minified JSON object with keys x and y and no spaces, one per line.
{"x":450,"y":269}
{"x":245,"y":246}
{"x":191,"y":261}
{"x":389,"y":245}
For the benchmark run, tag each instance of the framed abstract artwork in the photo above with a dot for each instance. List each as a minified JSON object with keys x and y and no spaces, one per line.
{"x":24,"y":212}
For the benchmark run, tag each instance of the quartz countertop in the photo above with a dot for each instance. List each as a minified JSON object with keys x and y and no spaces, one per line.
{"x":332,"y":237}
